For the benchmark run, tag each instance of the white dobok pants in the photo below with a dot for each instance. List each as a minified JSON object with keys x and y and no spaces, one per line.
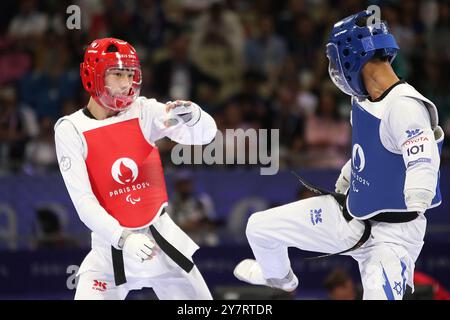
{"x":167,"y":279}
{"x":386,"y":261}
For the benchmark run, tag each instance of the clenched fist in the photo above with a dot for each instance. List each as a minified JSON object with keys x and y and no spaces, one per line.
{"x":140,"y":247}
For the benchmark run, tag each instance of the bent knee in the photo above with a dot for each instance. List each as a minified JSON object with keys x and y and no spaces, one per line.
{"x":258,"y":224}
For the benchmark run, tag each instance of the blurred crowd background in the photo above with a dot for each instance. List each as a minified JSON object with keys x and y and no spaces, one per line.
{"x":250,"y":64}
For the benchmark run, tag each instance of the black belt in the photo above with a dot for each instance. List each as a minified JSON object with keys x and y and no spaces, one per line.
{"x":166,"y":247}
{"x":391,"y":217}
{"x":118,"y":267}
{"x":395,"y":217}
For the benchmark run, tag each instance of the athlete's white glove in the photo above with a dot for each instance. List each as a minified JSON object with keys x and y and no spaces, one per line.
{"x":181,"y":111}
{"x":139,"y":246}
{"x":343,"y":182}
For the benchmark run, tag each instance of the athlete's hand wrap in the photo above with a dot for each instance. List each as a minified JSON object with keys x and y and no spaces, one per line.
{"x":181,"y":111}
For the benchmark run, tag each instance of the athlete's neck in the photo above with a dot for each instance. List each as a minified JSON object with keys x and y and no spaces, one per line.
{"x":98,"y":111}
{"x":378,"y":76}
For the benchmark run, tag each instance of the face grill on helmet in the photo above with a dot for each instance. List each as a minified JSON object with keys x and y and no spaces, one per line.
{"x":352,"y":43}
{"x":103,"y":55}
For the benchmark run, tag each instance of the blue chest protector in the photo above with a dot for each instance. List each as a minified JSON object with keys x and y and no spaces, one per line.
{"x":377,"y":175}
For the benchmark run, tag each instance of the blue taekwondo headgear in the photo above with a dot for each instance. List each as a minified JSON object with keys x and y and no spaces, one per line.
{"x":350,"y":46}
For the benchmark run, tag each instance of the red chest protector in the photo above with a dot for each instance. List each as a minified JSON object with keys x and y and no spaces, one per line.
{"x":125,"y":172}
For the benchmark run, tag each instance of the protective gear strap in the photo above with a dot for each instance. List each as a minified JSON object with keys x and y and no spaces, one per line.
{"x":165,"y":246}
{"x":173,"y":253}
{"x":340,"y":199}
{"x":118,"y":266}
{"x":391,"y":217}
{"x":379,"y":41}
{"x":395,"y":217}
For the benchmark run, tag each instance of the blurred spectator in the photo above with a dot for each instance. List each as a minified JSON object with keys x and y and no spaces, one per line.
{"x":265,"y":51}
{"x":48,"y":231}
{"x":439,"y":35}
{"x":209,"y":44}
{"x":255,"y":108}
{"x":287,"y":18}
{"x":177,"y":77}
{"x":233,"y":123}
{"x":53,"y":80}
{"x":111,"y":20}
{"x":290,"y":123}
{"x":14,"y":62}
{"x":340,"y":286}
{"x":17,"y":125}
{"x":408,"y":28}
{"x":217,"y":47}
{"x":150,"y":24}
{"x":306,"y":100}
{"x":327,"y":136}
{"x":221,"y":24}
{"x":429,"y":13}
{"x":349,"y":7}
{"x":90,"y":9}
{"x":194,"y":213}
{"x":304,"y":43}
{"x":286,"y":116}
{"x":29,"y":24}
{"x":40,"y":153}
{"x":233,"y":117}
{"x":57,"y":15}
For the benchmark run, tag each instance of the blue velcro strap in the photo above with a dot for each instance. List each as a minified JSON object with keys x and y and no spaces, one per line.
{"x":379,"y":41}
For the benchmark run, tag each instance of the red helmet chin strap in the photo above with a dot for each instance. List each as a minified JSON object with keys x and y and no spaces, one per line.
{"x":101,"y":55}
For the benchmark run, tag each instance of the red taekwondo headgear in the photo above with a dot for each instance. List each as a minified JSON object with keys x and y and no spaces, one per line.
{"x":106,"y":55}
